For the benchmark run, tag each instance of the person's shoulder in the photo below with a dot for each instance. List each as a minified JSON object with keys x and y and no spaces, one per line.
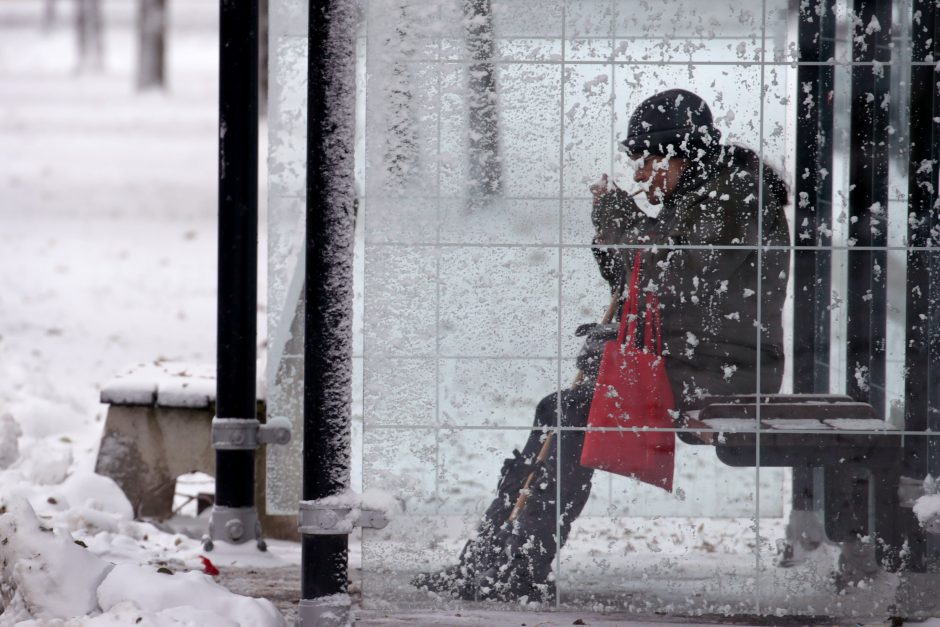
{"x":719,"y":181}
{"x":738,"y":178}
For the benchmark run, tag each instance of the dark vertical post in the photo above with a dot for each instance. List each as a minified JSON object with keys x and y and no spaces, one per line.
{"x":485,"y":167}
{"x":813,"y":207}
{"x":151,"y":43}
{"x":922,"y":352}
{"x":868,"y":202}
{"x":89,"y":27}
{"x":922,"y":384}
{"x":812,"y":276}
{"x":328,"y":291}
{"x":263,"y":56}
{"x":238,"y":252}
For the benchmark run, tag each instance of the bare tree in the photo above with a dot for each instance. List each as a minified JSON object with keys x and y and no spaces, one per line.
{"x":263,"y":58}
{"x":151,"y":31}
{"x":485,"y":168}
{"x":88,"y":27}
{"x":401,"y":139}
{"x":48,"y":15}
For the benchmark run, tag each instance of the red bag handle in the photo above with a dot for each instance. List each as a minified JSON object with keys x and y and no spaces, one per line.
{"x":631,"y":305}
{"x":653,"y":324}
{"x":631,"y":310}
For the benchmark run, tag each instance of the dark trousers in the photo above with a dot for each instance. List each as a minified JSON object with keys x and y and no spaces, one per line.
{"x":563,"y":464}
{"x":520,"y":554}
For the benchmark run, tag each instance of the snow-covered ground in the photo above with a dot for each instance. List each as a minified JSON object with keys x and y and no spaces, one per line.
{"x":107,"y":210}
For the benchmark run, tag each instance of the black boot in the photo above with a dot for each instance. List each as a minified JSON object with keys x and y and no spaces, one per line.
{"x":527,"y":547}
{"x":481,"y":552}
{"x":513,"y":560}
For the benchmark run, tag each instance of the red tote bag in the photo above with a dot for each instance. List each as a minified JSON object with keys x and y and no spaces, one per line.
{"x":632,"y":395}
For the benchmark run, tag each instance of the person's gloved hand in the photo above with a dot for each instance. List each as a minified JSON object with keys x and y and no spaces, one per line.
{"x":612,"y":263}
{"x":612,"y":210}
{"x":595,"y":337}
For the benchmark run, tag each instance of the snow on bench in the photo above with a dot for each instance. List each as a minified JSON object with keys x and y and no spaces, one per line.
{"x":166,"y":384}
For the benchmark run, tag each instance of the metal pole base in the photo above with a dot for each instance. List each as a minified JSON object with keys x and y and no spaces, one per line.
{"x":235,"y":525}
{"x":331,"y":611}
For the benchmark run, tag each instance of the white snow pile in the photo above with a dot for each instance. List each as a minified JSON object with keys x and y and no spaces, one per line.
{"x":49,"y":578}
{"x":113,"y":258}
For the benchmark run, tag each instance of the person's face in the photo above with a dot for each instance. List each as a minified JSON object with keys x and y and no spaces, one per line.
{"x":658,"y":175}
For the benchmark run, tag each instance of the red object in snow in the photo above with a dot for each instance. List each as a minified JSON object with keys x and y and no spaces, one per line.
{"x":208,"y":567}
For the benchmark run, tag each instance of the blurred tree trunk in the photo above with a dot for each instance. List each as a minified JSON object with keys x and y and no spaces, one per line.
{"x":88,"y":26}
{"x":151,"y":49}
{"x":485,"y":167}
{"x":263,"y":57}
{"x":48,"y":15}
{"x":401,"y":140}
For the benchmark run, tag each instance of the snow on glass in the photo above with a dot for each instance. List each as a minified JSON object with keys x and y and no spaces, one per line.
{"x":481,"y":126}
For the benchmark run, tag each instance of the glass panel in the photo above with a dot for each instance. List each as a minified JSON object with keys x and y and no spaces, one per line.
{"x":689,"y":552}
{"x":500,"y":221}
{"x":286,"y":183}
{"x":498,"y":301}
{"x":530,"y":128}
{"x":480,"y":138}
{"x":474,"y":391}
{"x":446,"y":484}
{"x":675,"y":31}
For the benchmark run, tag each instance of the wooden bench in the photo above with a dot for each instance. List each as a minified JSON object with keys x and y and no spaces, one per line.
{"x":861,"y":456}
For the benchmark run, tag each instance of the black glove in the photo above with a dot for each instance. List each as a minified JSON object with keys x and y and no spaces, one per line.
{"x":612,"y":263}
{"x":611,"y":213}
{"x":595,"y":337}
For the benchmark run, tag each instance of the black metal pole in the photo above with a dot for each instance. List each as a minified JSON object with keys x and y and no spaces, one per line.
{"x":328,"y":290}
{"x":922,"y":355}
{"x":238,"y":239}
{"x":868,"y":204}
{"x":813,"y":208}
{"x":922,"y":349}
{"x":812,"y":276}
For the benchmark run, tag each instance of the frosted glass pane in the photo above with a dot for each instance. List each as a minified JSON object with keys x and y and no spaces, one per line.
{"x":477,"y":141}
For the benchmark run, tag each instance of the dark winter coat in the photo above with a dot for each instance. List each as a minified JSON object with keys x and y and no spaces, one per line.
{"x":710,"y":296}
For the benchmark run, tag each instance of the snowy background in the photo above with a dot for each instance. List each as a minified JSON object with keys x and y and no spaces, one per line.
{"x":107,"y":211}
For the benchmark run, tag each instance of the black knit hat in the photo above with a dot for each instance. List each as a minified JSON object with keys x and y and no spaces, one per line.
{"x":676,"y":117}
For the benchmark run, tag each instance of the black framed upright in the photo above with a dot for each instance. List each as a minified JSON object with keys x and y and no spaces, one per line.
{"x":813,"y":211}
{"x":238,"y":254}
{"x":812,"y":263}
{"x":922,"y":348}
{"x":866,"y":299}
{"x":922,"y":356}
{"x":328,"y":293}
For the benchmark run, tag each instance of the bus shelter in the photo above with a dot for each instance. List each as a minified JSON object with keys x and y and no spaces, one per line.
{"x":455,"y":144}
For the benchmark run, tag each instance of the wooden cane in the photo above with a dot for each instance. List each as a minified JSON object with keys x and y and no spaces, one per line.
{"x":547,"y":445}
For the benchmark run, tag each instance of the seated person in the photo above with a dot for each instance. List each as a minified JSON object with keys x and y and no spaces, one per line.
{"x":702,"y":260}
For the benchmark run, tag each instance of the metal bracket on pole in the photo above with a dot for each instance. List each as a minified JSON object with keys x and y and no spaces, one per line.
{"x":233,"y":434}
{"x":241,"y":524}
{"x":234,"y":525}
{"x":331,"y":517}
